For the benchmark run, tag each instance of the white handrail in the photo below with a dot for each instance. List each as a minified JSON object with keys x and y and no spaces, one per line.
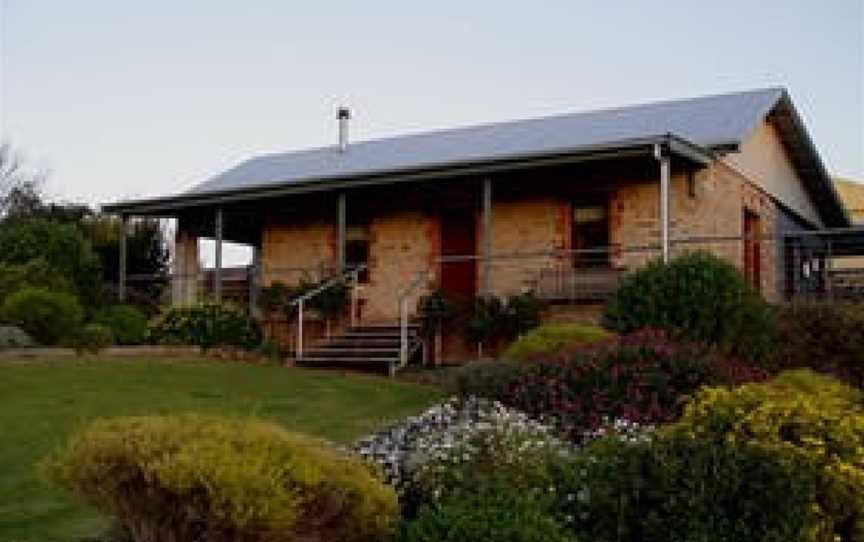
{"x":301,"y":300}
{"x":403,"y":314}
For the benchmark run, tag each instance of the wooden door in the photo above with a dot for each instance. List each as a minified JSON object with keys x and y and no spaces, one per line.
{"x":458,"y":238}
{"x":752,"y":249}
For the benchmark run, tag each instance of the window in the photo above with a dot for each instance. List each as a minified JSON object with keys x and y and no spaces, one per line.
{"x":357,"y":249}
{"x":590,"y":235}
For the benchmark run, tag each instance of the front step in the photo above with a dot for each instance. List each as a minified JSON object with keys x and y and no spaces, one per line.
{"x":375,"y":346}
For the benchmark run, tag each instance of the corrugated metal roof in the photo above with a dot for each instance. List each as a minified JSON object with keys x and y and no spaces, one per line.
{"x":692,"y":126}
{"x":707,"y":121}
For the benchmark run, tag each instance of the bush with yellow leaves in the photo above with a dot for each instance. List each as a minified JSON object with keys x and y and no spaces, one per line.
{"x":799,"y":415}
{"x":194,"y":477}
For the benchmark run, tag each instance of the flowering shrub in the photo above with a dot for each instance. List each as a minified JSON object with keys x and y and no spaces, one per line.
{"x":504,"y":448}
{"x":802,"y":417}
{"x":461,"y":446}
{"x":206,"y":325}
{"x":643,"y":377}
{"x":403,"y":449}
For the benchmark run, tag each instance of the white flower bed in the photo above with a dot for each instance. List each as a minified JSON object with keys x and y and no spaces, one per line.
{"x":400,"y":449}
{"x":461,"y":431}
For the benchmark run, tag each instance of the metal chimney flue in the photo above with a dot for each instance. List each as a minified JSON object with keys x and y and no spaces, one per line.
{"x":343,"y":115}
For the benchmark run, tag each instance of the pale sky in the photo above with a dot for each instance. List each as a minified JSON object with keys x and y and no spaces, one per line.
{"x":127,"y":99}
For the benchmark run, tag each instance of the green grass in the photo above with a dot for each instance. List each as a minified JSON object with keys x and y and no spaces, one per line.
{"x":42,"y":402}
{"x":550,"y":338}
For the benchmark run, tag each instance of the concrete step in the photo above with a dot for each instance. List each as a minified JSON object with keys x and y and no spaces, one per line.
{"x":363,"y":342}
{"x":341,"y":352}
{"x":322,"y":361}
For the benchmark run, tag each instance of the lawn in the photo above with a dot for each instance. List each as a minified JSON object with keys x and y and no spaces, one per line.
{"x":42,"y":402}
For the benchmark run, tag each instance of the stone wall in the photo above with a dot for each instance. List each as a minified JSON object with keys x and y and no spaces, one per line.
{"x":296,"y":249}
{"x":709,"y":203}
{"x":520,"y":226}
{"x":402,"y":244}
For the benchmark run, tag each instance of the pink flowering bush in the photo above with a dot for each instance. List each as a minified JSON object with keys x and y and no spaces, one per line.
{"x":643,"y":377}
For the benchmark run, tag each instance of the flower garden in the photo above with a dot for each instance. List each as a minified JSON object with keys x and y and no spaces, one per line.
{"x":688,"y":419}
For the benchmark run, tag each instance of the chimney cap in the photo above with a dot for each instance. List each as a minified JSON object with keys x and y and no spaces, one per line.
{"x":343,"y":113}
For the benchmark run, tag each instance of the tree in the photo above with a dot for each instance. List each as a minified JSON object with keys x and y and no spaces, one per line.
{"x":61,"y":246}
{"x":147,"y":254}
{"x":20,"y":188}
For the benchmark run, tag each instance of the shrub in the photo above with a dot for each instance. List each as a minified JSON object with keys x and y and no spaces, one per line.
{"x":801,"y":416}
{"x":34,"y":273}
{"x":62,"y":246}
{"x":206,"y":325}
{"x":698,"y":297}
{"x":676,"y":487}
{"x":194,"y":477}
{"x":14,"y":337}
{"x":486,"y":378}
{"x":47,"y":316}
{"x":494,"y":515}
{"x":506,"y":448}
{"x":825,"y":336}
{"x":547,"y":340}
{"x":522,"y":313}
{"x":643,"y":377}
{"x":435,"y":310}
{"x":92,"y":339}
{"x":402,"y":449}
{"x":484,"y":321}
{"x":127,"y":323}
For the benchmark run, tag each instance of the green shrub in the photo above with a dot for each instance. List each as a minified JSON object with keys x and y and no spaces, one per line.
{"x":62,"y":247}
{"x":92,"y":339}
{"x":279,"y":298}
{"x":435,"y":309}
{"x":34,"y":273}
{"x":496,"y":514}
{"x":191,"y":477}
{"x":522,"y":313}
{"x":47,"y":316}
{"x":699,"y":297}
{"x":486,"y":378}
{"x":825,"y":336}
{"x":127,"y":323}
{"x":484,"y":321}
{"x":804,"y":417}
{"x":549,"y":339}
{"x":679,"y":488}
{"x":14,"y":337}
{"x":206,"y":325}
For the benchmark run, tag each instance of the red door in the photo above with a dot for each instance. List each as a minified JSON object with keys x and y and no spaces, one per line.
{"x":752,"y":249}
{"x":458,"y":239}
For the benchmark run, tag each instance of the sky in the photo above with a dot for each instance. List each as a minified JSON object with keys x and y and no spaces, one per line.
{"x":132,"y":99}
